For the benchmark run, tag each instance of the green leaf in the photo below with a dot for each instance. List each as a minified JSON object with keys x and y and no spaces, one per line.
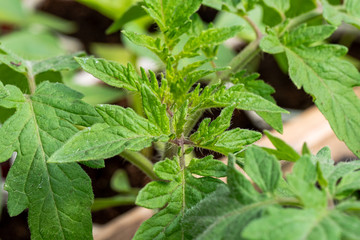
{"x":341,"y":169}
{"x":329,"y":79}
{"x":207,"y":167}
{"x":180,"y":194}
{"x":134,"y":12}
{"x":234,"y":140}
{"x":336,"y":17}
{"x":56,"y":64}
{"x":353,"y":7}
{"x":280,"y":5}
{"x":298,"y":7}
{"x":271,"y":44}
{"x":304,"y":35}
{"x":59,"y":197}
{"x":97,"y":94}
{"x":349,"y":225}
{"x":271,"y":16}
{"x":11,"y":11}
{"x":154,"y":45}
{"x":283,"y":150}
{"x":109,"y":8}
{"x":33,"y":45}
{"x":305,"y":149}
{"x":3,"y":91}
{"x":120,"y":181}
{"x":38,"y":68}
{"x":51,"y":22}
{"x":156,"y":194}
{"x":123,"y":129}
{"x":332,"y":90}
{"x":180,"y":118}
{"x":163,"y":225}
{"x":293,"y":224}
{"x":219,"y":216}
{"x":264,"y":90}
{"x":262,"y":168}
{"x":208,"y":38}
{"x":305,"y":169}
{"x":167,"y":169}
{"x":237,"y":95}
{"x":110,"y":72}
{"x":155,"y":110}
{"x":222,"y":4}
{"x":214,"y":136}
{"x":349,"y":206}
{"x":10,"y":76}
{"x":206,"y":133}
{"x":348,"y":184}
{"x":94,"y":163}
{"x":239,"y":186}
{"x":324,"y":163}
{"x":12,"y":60}
{"x":302,"y":181}
{"x":172,"y":16}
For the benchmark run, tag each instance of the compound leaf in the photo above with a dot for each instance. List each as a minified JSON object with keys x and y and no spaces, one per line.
{"x":154,"y":45}
{"x":181,"y":193}
{"x":110,"y":72}
{"x":58,"y":197}
{"x":214,"y":137}
{"x":173,"y":17}
{"x":123,"y":130}
{"x":329,"y":79}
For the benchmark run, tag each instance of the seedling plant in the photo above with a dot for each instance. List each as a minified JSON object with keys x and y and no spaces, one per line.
{"x":53,"y":131}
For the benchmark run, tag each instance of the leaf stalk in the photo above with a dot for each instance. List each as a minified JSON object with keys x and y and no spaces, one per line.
{"x":141,"y":162}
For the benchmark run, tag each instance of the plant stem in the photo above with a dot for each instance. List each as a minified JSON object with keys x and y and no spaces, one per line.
{"x":120,"y":200}
{"x":253,"y":26}
{"x":30,"y":78}
{"x":140,"y":161}
{"x":302,"y":19}
{"x":242,"y":59}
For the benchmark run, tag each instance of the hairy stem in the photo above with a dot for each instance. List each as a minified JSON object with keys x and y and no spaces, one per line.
{"x":140,"y":161}
{"x":30,"y":78}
